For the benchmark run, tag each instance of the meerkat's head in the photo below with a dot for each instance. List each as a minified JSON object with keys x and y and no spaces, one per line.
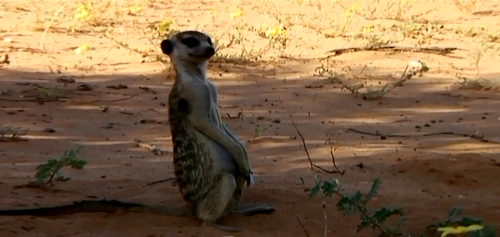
{"x":188,"y":46}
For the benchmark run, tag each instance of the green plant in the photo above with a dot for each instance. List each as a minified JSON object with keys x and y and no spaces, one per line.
{"x":375,"y":219}
{"x":356,"y":203}
{"x":259,"y":128}
{"x":47,"y":172}
{"x":478,"y":53}
{"x":454,"y":225}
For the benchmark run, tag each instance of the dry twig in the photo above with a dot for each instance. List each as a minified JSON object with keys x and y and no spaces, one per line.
{"x":302,"y":225}
{"x":50,"y":24}
{"x":155,"y":149}
{"x":378,"y":134}
{"x":433,"y":50}
{"x":309,"y":157}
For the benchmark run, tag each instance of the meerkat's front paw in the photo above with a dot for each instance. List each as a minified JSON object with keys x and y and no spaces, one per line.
{"x":247,"y":174}
{"x":252,"y":179}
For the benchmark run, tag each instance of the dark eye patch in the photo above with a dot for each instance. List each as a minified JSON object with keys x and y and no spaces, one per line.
{"x":209,"y":41}
{"x":190,"y":42}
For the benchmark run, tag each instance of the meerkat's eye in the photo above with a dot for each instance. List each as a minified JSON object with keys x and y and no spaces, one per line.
{"x":191,"y":42}
{"x":209,"y":41}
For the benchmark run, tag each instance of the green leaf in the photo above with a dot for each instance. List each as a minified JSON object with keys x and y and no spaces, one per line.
{"x":383,"y":213}
{"x":356,"y":197}
{"x":373,"y":189}
{"x":77,"y":164}
{"x":365,"y":223}
{"x":400,"y":223}
{"x":487,"y":231}
{"x":329,"y":187}
{"x":468,"y":220}
{"x":346,"y":206}
{"x":314,"y":190}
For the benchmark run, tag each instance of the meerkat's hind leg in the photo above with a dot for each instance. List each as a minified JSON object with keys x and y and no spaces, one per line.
{"x":253,"y":209}
{"x":214,"y":205}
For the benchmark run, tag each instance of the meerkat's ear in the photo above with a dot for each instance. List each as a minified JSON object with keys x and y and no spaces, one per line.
{"x":167,"y":46}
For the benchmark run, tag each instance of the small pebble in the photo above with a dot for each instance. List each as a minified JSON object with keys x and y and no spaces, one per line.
{"x":49,"y":130}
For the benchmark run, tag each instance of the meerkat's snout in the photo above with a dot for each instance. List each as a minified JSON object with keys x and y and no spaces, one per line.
{"x":208,"y":52}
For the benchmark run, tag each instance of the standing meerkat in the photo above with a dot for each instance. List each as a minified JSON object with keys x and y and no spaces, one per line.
{"x":210,"y":162}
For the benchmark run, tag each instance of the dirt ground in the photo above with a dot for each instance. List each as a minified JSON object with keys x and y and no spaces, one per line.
{"x":84,"y":104}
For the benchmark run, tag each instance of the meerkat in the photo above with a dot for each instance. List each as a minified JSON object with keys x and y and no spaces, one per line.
{"x":210,"y":162}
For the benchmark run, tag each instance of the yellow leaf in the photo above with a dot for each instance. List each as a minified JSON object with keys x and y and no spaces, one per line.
{"x":164,"y":25}
{"x":83,"y":12}
{"x":135,"y":9}
{"x":82,"y":49}
{"x":212,"y":10}
{"x":459,"y":229}
{"x":280,"y":30}
{"x":367,"y":28}
{"x":82,"y":15}
{"x":351,"y":9}
{"x":236,"y":13}
{"x":271,"y":32}
{"x":81,"y":7}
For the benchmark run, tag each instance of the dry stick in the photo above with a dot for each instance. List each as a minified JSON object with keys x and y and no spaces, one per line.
{"x":476,"y":137}
{"x":114,"y":100}
{"x":309,"y":157}
{"x":13,"y":139}
{"x":159,"y":181}
{"x":333,"y":157}
{"x":302,"y":225}
{"x":58,"y":100}
{"x":433,"y":50}
{"x":31,"y":100}
{"x":50,"y":24}
{"x":326,"y":216}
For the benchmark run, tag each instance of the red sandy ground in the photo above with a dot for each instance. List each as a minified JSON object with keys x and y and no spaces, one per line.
{"x":425,"y":175}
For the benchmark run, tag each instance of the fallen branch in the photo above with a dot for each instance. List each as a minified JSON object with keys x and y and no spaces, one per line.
{"x":160,"y":181}
{"x":113,"y":100}
{"x":383,"y":136}
{"x":302,"y":225}
{"x":38,"y":100}
{"x":432,"y":50}
{"x":155,"y":149}
{"x":309,"y":157}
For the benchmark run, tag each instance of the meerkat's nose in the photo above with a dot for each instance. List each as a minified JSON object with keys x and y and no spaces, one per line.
{"x":209,"y":51}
